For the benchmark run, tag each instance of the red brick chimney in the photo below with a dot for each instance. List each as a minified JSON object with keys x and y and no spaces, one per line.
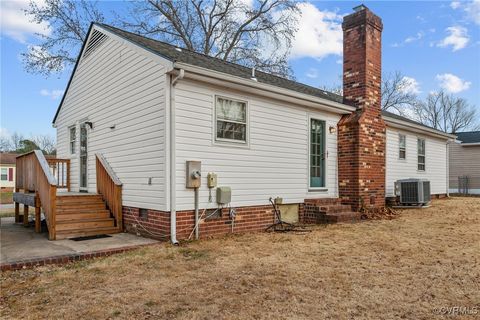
{"x":361,"y":135}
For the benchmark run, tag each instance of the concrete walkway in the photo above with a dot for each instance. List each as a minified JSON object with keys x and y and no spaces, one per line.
{"x":19,"y":243}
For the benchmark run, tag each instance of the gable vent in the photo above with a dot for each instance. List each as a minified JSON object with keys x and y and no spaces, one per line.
{"x":96,"y":40}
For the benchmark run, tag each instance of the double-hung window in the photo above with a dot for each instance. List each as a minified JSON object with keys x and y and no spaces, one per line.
{"x":73,"y":139}
{"x":4,"y":174}
{"x":231,"y":120}
{"x":402,"y":150}
{"x":421,"y":154}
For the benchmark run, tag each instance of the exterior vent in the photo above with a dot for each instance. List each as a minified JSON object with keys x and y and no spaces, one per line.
{"x":97,"y":38}
{"x":413,"y":191}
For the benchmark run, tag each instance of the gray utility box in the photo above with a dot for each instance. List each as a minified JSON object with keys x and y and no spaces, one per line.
{"x":194,"y":174}
{"x":224,"y":195}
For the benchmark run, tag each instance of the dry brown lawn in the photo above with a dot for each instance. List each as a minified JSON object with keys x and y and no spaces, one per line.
{"x":388,"y":269}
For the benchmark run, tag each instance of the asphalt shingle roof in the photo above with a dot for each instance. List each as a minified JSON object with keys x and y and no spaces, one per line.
{"x":171,"y":52}
{"x":176,"y":54}
{"x":469,"y":137}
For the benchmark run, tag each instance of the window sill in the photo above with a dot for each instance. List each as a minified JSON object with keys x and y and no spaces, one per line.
{"x":323,"y":190}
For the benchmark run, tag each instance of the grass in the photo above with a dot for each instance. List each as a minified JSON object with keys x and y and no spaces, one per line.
{"x":401,"y":268}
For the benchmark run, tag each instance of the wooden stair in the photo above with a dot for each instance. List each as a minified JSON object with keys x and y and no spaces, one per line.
{"x":82,"y":215}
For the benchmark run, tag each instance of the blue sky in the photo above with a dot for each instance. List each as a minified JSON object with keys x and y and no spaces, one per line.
{"x":435,"y":44}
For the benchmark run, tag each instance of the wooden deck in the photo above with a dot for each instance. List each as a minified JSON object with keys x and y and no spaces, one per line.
{"x":45,"y":185}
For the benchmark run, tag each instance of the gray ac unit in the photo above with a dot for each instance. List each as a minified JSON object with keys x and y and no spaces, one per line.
{"x":413,"y":191}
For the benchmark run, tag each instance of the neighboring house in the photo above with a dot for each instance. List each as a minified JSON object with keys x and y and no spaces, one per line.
{"x":7,"y":167}
{"x":464,"y":163}
{"x":149,"y":107}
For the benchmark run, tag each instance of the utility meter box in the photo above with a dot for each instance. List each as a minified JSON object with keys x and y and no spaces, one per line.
{"x":224,"y":195}
{"x":211,"y":180}
{"x":194,"y":174}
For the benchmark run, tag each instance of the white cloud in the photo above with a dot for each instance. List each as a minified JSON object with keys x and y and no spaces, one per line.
{"x":54,"y":94}
{"x":471,"y":9}
{"x":457,"y":38}
{"x":319,"y":33}
{"x":455,"y":5}
{"x":15,"y":24}
{"x":410,"y":85}
{"x":417,"y":37}
{"x":312,"y":73}
{"x":451,"y":83}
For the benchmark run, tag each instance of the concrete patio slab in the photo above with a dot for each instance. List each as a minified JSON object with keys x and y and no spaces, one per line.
{"x":19,"y":243}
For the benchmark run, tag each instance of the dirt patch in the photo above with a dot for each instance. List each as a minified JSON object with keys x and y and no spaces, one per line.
{"x":383,"y":269}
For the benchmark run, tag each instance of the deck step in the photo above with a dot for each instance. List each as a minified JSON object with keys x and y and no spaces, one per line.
{"x":83,"y":215}
{"x":80,"y":208}
{"x":84,"y":232}
{"x":68,"y":198}
{"x":85,"y":224}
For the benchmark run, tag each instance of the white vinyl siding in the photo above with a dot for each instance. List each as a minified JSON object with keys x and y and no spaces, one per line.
{"x":275,"y":162}
{"x":122,"y":92}
{"x":435,"y":160}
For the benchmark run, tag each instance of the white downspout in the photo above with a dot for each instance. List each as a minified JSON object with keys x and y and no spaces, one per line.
{"x":448,"y":167}
{"x":173,"y":210}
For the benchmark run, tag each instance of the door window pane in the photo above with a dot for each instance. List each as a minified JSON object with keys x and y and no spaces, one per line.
{"x":317,"y":153}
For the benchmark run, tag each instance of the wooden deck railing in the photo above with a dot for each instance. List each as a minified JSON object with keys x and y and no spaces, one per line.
{"x":110,"y":187}
{"x":34,"y":175}
{"x":60,"y":169}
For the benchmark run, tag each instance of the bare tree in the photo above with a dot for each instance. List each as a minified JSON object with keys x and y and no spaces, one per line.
{"x":446,"y":113}
{"x":69,"y":21}
{"x":16,"y":141}
{"x":256,"y":34}
{"x":397,"y":92}
{"x":45,"y":143}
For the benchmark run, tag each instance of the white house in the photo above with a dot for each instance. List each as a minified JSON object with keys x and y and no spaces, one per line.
{"x":149,"y":107}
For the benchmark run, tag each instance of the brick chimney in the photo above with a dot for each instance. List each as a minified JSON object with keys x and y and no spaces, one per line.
{"x":361,"y":135}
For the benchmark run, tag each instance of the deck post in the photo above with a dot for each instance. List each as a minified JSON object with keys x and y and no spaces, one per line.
{"x":25,"y":215}
{"x":17,"y":212}
{"x":38,"y":226}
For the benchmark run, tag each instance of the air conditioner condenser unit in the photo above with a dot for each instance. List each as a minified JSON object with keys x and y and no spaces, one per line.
{"x":413,"y":191}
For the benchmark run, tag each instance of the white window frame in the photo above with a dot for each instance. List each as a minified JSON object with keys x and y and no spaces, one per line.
{"x":231,"y":142}
{"x":309,"y":128}
{"x":74,"y":141}
{"x":424,"y":155}
{"x":400,"y":148}
{"x":6,"y":174}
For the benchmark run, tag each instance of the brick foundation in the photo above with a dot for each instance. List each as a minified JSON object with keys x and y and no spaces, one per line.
{"x":157,"y":223}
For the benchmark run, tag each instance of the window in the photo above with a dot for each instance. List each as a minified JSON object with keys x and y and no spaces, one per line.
{"x":4,"y":174}
{"x":421,"y":154}
{"x":317,"y":153}
{"x":231,"y":120}
{"x":73,"y":139}
{"x":402,"y":151}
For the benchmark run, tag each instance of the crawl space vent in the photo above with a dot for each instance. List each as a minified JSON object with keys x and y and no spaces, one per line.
{"x":96,"y":40}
